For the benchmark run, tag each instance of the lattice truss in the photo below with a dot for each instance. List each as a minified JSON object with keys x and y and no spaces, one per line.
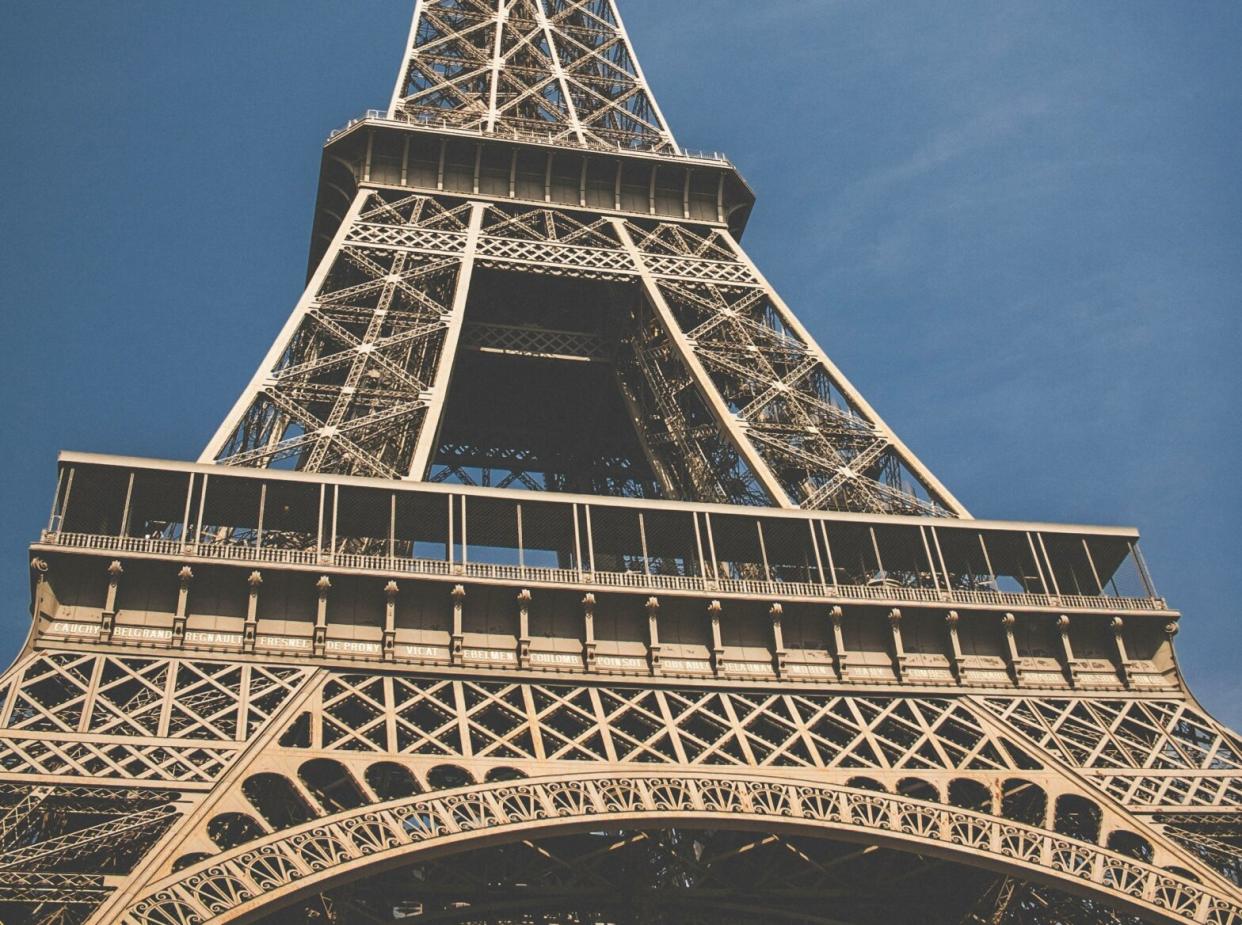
{"x":63,"y":847}
{"x":128,"y":718}
{"x":1146,"y":753}
{"x":536,"y":722}
{"x":798,"y":417}
{"x":85,"y":740}
{"x":556,"y":69}
{"x":731,"y":400}
{"x":347,"y":391}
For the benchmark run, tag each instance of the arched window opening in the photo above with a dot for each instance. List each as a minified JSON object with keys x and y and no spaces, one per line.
{"x":918,"y":789}
{"x":448,"y":776}
{"x":189,"y":860}
{"x":970,"y":794}
{"x":277,"y":800}
{"x":228,"y":830}
{"x":1023,"y":801}
{"x":1131,"y":845}
{"x":391,"y":781}
{"x":866,"y":783}
{"x":495,"y":775}
{"x":332,"y":785}
{"x":1078,"y":818}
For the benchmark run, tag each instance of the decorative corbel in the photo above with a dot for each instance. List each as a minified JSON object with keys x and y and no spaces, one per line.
{"x":899,"y":649}
{"x":107,"y":620}
{"x":653,"y":633}
{"x":1118,"y":626}
{"x":840,"y":656}
{"x":251,"y":626}
{"x":390,"y":620}
{"x":1011,"y":647}
{"x":185,"y":576}
{"x":588,"y":630}
{"x":320,"y":642}
{"x":776,"y":611}
{"x":951,"y":620}
{"x":713,"y":616}
{"x":38,"y":571}
{"x":523,"y":653}
{"x":455,"y":640}
{"x":1067,"y":649}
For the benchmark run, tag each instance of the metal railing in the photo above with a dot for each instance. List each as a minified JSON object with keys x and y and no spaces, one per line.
{"x":636,"y":580}
{"x":382,"y":117}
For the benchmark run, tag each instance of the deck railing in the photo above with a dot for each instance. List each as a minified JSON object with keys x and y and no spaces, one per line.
{"x":883,"y":592}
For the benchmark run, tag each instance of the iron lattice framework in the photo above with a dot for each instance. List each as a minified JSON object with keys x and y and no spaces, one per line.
{"x":547,"y":571}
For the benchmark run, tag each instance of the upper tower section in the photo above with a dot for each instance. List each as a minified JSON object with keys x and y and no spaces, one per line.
{"x":555,"y":70}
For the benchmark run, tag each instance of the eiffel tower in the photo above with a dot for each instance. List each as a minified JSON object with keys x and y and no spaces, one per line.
{"x":547,"y":571}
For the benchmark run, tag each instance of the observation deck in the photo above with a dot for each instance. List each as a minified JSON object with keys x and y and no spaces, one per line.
{"x":277,"y":564}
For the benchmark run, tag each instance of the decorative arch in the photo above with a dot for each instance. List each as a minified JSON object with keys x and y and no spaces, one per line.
{"x":282,"y":867}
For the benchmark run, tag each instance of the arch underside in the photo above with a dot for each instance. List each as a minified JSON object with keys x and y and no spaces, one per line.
{"x":646,"y":847}
{"x":651,"y":876}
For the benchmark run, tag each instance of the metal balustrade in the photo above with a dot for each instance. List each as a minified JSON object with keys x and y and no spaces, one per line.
{"x":225,"y":514}
{"x":381,"y":117}
{"x":640,"y":581}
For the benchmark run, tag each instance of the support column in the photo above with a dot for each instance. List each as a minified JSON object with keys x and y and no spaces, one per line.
{"x":185,"y":576}
{"x":281,"y":343}
{"x":107,"y":620}
{"x":429,"y":433}
{"x":732,"y":428}
{"x":251,"y":628}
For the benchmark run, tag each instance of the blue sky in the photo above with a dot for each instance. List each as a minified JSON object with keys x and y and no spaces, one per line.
{"x":1016,"y":225}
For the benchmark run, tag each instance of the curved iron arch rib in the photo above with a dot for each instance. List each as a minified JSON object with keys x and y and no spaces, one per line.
{"x":239,"y":885}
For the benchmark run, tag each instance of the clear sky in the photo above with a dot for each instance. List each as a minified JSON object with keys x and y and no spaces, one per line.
{"x":1016,"y":225}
